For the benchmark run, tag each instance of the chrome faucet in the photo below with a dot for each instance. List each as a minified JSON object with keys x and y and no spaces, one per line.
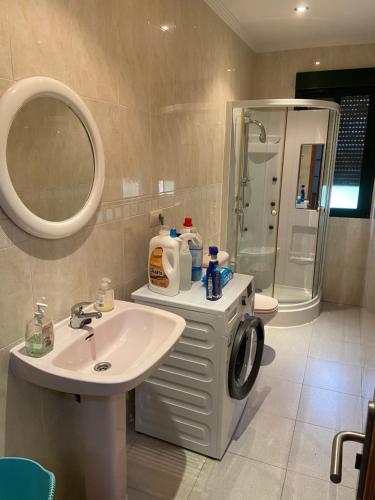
{"x":78,"y":319}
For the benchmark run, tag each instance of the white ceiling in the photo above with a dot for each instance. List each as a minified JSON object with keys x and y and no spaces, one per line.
{"x":268,"y":25}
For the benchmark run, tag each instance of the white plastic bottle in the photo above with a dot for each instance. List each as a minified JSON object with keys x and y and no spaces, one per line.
{"x":186,"y":262}
{"x":164,"y":264}
{"x":196,"y":248}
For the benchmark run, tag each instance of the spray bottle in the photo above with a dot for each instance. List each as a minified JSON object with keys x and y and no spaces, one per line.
{"x":186,"y":262}
{"x":213,"y":281}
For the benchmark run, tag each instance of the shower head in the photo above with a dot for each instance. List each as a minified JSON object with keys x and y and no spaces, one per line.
{"x":262,"y":135}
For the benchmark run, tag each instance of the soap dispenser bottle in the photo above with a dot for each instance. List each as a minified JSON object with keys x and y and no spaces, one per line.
{"x":105,"y":296}
{"x":39,"y":339}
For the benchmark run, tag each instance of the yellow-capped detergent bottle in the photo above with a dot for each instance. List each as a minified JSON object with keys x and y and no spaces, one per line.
{"x":164,"y":263}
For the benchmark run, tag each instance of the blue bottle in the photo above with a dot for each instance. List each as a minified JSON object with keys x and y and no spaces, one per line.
{"x":302,"y":195}
{"x":213,"y":281}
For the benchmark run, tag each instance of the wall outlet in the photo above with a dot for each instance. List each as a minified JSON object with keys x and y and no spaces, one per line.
{"x":154,"y":216}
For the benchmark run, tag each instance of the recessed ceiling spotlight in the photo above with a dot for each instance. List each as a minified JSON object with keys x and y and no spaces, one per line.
{"x":164,"y":27}
{"x":301,"y":9}
{"x":317,"y":63}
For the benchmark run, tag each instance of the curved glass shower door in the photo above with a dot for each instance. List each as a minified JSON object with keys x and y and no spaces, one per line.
{"x":259,"y":136}
{"x":281,"y":171}
{"x":300,"y":207}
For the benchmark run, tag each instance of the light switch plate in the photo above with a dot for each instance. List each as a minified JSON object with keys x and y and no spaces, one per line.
{"x":154,"y":217}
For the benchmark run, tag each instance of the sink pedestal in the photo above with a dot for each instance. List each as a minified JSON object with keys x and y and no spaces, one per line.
{"x":104,"y":446}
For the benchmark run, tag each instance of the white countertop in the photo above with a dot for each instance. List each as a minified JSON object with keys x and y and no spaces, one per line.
{"x":195,"y":299}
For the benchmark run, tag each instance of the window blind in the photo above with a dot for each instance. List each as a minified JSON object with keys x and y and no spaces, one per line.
{"x":351,"y":140}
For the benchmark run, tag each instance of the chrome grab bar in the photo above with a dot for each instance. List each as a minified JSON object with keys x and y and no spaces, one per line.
{"x":337,"y":452}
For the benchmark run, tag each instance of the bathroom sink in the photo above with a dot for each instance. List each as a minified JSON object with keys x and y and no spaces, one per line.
{"x":110,"y":356}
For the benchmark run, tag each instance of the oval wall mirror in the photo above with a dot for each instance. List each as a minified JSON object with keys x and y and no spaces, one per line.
{"x":51,"y":158}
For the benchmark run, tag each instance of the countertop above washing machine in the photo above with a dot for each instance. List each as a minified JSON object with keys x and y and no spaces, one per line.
{"x":196,"y":297}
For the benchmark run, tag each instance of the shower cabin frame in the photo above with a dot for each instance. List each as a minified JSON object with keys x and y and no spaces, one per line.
{"x":299,"y":312}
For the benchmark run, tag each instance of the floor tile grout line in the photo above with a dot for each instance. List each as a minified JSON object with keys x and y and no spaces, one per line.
{"x":295,"y":421}
{"x":304,"y":375}
{"x":251,"y":459}
{"x":321,"y":426}
{"x":238,"y":454}
{"x":320,"y":479}
{"x":334,"y":361}
{"x":333,"y":390}
{"x":196,"y":479}
{"x":290,"y":451}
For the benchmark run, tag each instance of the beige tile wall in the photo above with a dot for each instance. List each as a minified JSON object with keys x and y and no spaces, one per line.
{"x":368,"y":295}
{"x":345,"y":260}
{"x":159,"y":101}
{"x":275,"y":78}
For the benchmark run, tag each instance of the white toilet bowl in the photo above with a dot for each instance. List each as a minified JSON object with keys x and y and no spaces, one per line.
{"x":265,"y":307}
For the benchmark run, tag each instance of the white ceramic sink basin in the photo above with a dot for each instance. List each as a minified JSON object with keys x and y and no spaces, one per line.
{"x":133,"y":338}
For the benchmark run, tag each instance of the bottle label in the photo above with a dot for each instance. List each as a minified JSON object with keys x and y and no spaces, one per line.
{"x":197,"y":256}
{"x":156,"y":269}
{"x":99,"y":299}
{"x":47,"y":335}
{"x":209,"y":294}
{"x":213,"y":283}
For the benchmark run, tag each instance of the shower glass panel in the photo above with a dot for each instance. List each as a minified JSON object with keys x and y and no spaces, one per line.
{"x":298,"y":228}
{"x":260,"y":157}
{"x":280,"y":177}
{"x":325,"y":195}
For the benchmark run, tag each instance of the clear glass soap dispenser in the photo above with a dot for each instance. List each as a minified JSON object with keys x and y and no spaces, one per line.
{"x":39,"y":338}
{"x":105,"y":296}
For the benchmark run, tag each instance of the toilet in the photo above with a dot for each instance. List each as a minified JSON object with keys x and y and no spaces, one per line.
{"x":265,"y":307}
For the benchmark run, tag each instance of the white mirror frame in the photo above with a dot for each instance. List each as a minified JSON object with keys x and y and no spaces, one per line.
{"x":10,"y":103}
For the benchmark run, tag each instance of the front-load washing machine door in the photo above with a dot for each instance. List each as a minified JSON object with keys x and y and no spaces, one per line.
{"x":246,"y":356}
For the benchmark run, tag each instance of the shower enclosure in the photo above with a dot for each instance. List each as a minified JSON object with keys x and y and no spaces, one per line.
{"x":280,"y":155}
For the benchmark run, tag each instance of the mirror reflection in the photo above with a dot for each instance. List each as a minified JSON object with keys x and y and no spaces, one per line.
{"x":50,"y":159}
{"x":310,"y":167}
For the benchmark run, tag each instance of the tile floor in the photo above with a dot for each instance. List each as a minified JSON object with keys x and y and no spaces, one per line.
{"x":315,"y":380}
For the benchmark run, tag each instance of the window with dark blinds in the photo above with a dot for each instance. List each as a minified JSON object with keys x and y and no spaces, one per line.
{"x":354,"y":90}
{"x":350,"y":148}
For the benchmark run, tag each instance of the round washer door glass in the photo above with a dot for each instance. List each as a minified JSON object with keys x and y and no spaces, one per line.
{"x":246,"y":356}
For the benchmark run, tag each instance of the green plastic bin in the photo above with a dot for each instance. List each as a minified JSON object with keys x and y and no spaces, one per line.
{"x":24,"y":479}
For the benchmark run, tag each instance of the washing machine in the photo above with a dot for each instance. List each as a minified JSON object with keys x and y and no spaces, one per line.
{"x":195,"y":399}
